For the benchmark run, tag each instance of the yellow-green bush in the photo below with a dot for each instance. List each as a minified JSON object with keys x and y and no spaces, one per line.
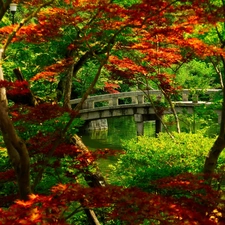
{"x":152,"y":158}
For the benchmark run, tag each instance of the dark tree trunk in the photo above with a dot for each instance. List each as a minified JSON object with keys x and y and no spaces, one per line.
{"x":16,"y":148}
{"x":68,"y":87}
{"x":219,"y":144}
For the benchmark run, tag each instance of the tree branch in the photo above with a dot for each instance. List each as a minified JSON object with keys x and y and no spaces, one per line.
{"x":17,"y":153}
{"x":218,"y":71}
{"x":16,"y":148}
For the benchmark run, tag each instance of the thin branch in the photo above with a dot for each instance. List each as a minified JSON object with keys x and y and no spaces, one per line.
{"x":68,"y":87}
{"x":147,"y":94}
{"x":78,"y":209}
{"x":220,"y":37}
{"x":218,"y":71}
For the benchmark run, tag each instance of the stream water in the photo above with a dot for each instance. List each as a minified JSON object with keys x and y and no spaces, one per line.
{"x":120,"y":130}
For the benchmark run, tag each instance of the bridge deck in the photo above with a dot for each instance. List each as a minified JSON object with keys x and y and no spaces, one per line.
{"x":110,"y":105}
{"x":113,"y":105}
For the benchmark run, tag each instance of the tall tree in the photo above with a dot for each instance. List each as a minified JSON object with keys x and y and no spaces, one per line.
{"x":216,"y":36}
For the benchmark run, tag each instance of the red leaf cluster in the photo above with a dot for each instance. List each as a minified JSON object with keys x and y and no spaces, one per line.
{"x":43,"y":144}
{"x":50,"y":71}
{"x":39,"y":113}
{"x":127,"y":64}
{"x":17,"y":88}
{"x":8,"y":175}
{"x":49,"y":26}
{"x":111,"y":88}
{"x":105,"y":153}
{"x":39,"y":209}
{"x":166,"y":83}
{"x":130,"y":205}
{"x":4,"y":31}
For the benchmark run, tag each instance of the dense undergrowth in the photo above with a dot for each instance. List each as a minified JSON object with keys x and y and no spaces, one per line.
{"x":149,"y":158}
{"x":156,"y":181}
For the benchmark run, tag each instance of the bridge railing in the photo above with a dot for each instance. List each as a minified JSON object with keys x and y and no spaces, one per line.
{"x":197,"y":94}
{"x":139,"y":97}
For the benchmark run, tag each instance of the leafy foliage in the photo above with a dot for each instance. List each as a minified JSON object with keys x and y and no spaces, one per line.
{"x":145,"y":207}
{"x":152,"y":158}
{"x":196,"y":74}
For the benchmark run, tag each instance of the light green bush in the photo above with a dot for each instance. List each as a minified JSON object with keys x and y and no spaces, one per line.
{"x":152,"y":158}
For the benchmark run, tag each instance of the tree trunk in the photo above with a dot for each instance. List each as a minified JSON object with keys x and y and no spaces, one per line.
{"x":213,"y":155}
{"x":68,"y":87}
{"x":4,"y":6}
{"x":219,"y":144}
{"x":16,"y":148}
{"x":17,"y":153}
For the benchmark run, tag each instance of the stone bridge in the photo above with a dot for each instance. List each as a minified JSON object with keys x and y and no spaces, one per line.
{"x":137,"y":104}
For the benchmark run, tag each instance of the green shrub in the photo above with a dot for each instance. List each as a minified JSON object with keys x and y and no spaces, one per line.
{"x":152,"y":158}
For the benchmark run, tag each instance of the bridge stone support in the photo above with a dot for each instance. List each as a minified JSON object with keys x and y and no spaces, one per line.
{"x":91,"y":104}
{"x":134,"y":100}
{"x":139,"y":120}
{"x":140,"y":98}
{"x":100,"y":124}
{"x":184,"y":96}
{"x":158,"y":127}
{"x":219,"y":116}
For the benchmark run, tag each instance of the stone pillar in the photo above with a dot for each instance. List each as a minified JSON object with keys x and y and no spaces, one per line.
{"x":134,"y":100}
{"x":158,"y":127}
{"x":140,"y":98}
{"x":195,"y":98}
{"x":219,"y":113}
{"x":138,"y":118}
{"x":115,"y":101}
{"x":91,"y":104}
{"x":100,"y":124}
{"x":184,"y":97}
